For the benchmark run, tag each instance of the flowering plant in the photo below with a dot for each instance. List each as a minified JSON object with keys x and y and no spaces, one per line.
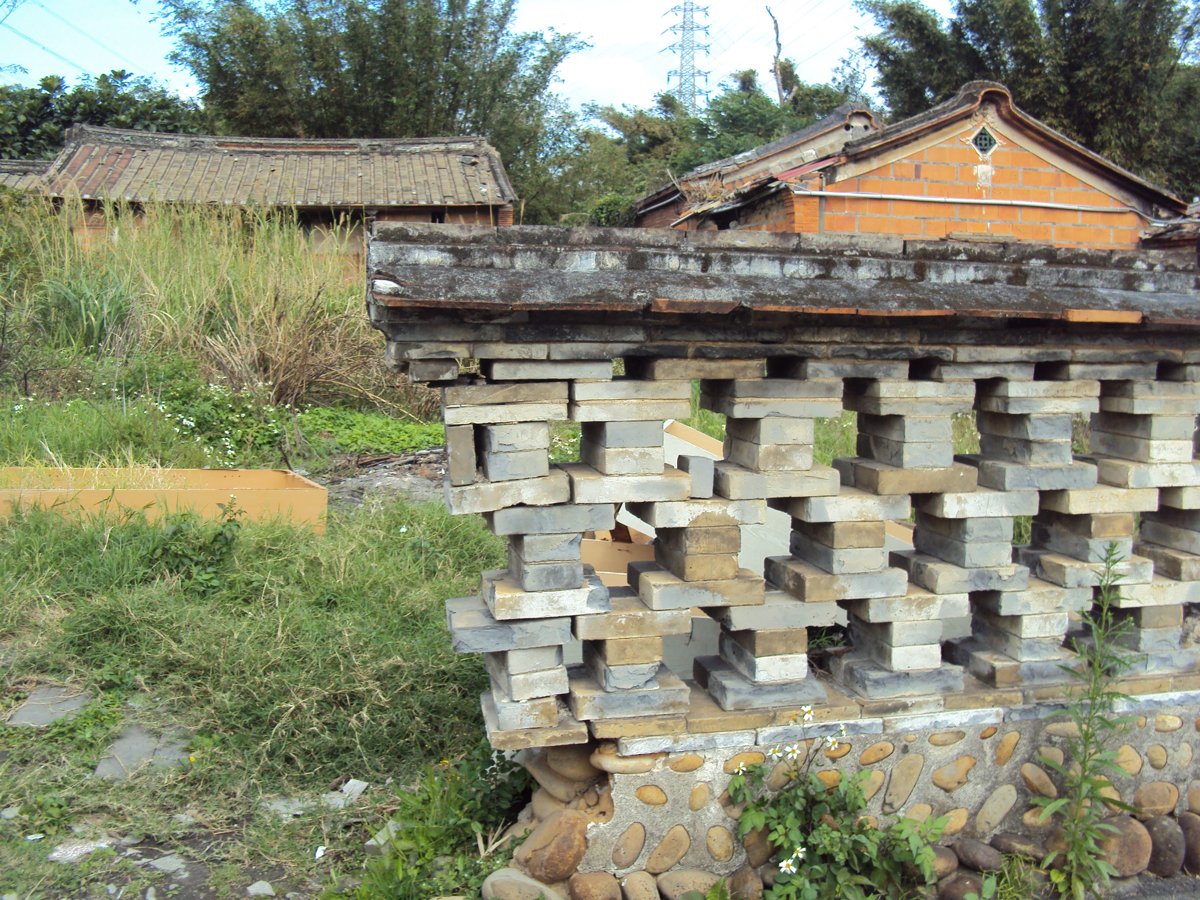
{"x":824,"y":844}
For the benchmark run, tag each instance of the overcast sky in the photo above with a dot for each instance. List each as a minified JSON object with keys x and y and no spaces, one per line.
{"x":625,"y":63}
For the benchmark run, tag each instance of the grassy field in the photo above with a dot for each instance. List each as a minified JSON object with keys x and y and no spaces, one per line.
{"x":292,"y":660}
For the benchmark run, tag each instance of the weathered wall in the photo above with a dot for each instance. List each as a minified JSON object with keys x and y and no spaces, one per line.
{"x":957,"y":634}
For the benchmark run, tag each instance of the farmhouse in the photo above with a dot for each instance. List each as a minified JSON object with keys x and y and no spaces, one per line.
{"x":972,"y":168}
{"x":455,"y":180}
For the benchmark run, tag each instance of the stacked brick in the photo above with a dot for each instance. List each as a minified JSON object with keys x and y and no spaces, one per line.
{"x":1143,"y":439}
{"x":917,"y":617}
{"x":906,"y":447}
{"x":763,"y":647}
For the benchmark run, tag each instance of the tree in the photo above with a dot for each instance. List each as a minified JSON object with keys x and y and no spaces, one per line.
{"x":33,"y":120}
{"x":376,"y":68}
{"x":1105,"y":72}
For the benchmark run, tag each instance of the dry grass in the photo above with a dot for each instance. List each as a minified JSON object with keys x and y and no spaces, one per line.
{"x":249,"y":295}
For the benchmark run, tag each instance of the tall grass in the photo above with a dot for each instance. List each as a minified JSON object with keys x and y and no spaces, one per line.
{"x":248,"y":295}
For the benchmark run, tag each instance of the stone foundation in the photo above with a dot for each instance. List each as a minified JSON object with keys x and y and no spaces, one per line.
{"x":959,"y":636}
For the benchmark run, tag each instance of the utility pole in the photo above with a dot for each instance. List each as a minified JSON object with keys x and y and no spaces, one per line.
{"x":686,"y":48}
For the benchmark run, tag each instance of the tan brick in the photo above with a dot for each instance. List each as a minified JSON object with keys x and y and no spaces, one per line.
{"x":631,"y":651}
{"x":773,"y":642}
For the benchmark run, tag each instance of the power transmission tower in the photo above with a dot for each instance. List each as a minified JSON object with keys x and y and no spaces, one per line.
{"x":686,"y":48}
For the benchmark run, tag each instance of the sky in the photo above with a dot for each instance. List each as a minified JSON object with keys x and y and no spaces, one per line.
{"x":624,"y":65}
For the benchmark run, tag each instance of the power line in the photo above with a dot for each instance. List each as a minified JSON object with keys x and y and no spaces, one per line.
{"x":86,"y":34}
{"x":44,"y":48}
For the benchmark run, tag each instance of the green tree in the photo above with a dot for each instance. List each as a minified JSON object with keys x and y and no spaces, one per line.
{"x":377,"y":68}
{"x":33,"y":119}
{"x":1105,"y":72}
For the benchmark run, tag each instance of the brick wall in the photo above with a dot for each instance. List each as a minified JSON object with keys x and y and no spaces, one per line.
{"x":949,"y":171}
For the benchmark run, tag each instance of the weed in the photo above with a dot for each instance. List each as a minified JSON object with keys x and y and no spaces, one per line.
{"x":353,"y":431}
{"x":446,"y":828}
{"x":719,"y":891}
{"x":824,"y":844}
{"x":1079,"y":868}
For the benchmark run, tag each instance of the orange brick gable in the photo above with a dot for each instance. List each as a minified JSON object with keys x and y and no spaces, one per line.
{"x":922,"y":179}
{"x":948,"y":171}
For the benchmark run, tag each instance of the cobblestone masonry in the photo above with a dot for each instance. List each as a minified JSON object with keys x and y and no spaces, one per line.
{"x":957,"y":644}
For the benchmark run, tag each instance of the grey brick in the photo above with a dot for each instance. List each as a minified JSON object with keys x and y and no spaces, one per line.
{"x":784,"y":668}
{"x":902,"y":659}
{"x":697,"y":368}
{"x":700,"y":470}
{"x":631,"y":389}
{"x":734,"y":691}
{"x":1058,"y":540}
{"x":589,"y":486}
{"x":849,"y":505}
{"x":1141,"y":449}
{"x":511,"y":438}
{"x":968,"y":554}
{"x":540,"y":548}
{"x":1039,"y":406}
{"x":853,"y":368}
{"x":899,"y":634}
{"x":472,"y":395}
{"x":614,"y":435}
{"x":540,"y":370}
{"x":908,"y":428}
{"x":460,"y":455}
{"x":837,"y":562}
{"x":504,"y":413}
{"x":909,"y":454}
{"x":560,"y":519}
{"x":619,"y":678}
{"x":1073,"y":573}
{"x":700,"y":513}
{"x":516,"y":466}
{"x":808,"y":583}
{"x":666,"y":695}
{"x":1009,"y":476}
{"x":981,"y":503}
{"x":916,"y":605}
{"x":532,"y":659}
{"x":1018,"y":648}
{"x":659,"y":589}
{"x":947,"y":578}
{"x":1180,"y":497}
{"x":473,"y":629}
{"x":990,"y":529}
{"x":1122,"y":473}
{"x":543,"y":712}
{"x":507,"y":600}
{"x":629,"y":410}
{"x":1177,"y":564}
{"x":1044,"y":427}
{"x":771,"y":430}
{"x":1040,"y":453}
{"x":779,"y":610}
{"x":629,"y":617}
{"x":485,"y":497}
{"x":1040,"y":597}
{"x":622,"y":461}
{"x":421,"y":371}
{"x":736,"y":483}
{"x":770,"y":407}
{"x":515,"y":686}
{"x":870,"y":679}
{"x":769,"y":457}
{"x":1157,"y":427}
{"x":546,"y":576}
{"x":1043,"y":625}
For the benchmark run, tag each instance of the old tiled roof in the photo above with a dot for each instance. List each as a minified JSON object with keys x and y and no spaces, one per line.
{"x":23,"y":174}
{"x":837,"y":121}
{"x":139,"y":166}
